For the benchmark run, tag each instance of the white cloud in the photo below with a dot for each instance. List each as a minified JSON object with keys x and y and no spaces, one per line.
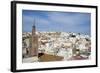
{"x":42,"y":21}
{"x":70,"y":20}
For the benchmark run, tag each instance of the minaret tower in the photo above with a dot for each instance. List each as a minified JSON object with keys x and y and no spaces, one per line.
{"x":34,"y":48}
{"x":33,"y":29}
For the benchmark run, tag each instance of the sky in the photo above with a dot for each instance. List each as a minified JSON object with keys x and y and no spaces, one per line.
{"x":54,"y":21}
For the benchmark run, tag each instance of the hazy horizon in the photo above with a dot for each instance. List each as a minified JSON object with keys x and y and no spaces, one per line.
{"x":50,"y":21}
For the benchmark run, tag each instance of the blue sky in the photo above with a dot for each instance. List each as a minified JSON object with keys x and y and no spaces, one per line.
{"x":57,"y":21}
